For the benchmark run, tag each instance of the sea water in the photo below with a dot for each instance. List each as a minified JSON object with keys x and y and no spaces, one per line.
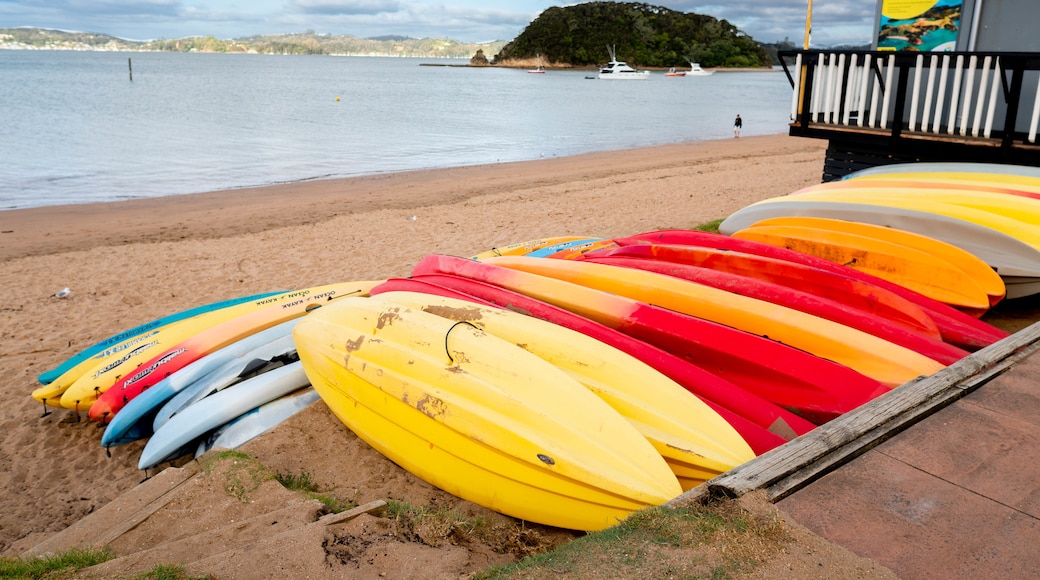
{"x":74,"y":127}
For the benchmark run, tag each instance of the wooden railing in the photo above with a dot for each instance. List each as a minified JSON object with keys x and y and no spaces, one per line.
{"x":976,"y":98}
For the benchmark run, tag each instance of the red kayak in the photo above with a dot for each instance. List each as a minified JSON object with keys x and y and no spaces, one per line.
{"x":956,"y":327}
{"x":929,"y":346}
{"x":818,"y":389}
{"x":729,"y":400}
{"x":822,"y":283}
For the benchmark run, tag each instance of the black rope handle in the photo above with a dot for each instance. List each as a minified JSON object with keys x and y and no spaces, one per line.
{"x":449,"y":332}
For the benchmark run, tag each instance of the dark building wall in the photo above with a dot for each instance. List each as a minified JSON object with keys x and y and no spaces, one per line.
{"x":1008,"y":26}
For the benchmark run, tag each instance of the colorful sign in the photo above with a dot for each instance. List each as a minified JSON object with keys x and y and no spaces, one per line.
{"x":919,"y":25}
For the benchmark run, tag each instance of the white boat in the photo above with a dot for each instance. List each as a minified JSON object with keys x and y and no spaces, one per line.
{"x":616,"y":69}
{"x":538,"y":70}
{"x":697,"y":71}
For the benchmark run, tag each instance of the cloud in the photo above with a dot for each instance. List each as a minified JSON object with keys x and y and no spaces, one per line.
{"x":770,"y":20}
{"x":127,"y":8}
{"x":346,"y":7}
{"x":377,"y":18}
{"x":464,"y":20}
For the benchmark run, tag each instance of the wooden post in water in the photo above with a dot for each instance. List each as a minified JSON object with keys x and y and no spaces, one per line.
{"x":131,"y":65}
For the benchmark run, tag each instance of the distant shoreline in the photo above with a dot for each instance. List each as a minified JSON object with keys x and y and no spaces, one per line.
{"x":517,"y":65}
{"x":592,"y":67}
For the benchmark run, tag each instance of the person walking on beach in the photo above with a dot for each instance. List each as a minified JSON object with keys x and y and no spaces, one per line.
{"x":737,"y":125}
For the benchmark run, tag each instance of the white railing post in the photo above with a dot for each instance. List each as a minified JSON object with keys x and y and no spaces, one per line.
{"x":828,"y":88}
{"x":915,"y":92}
{"x":933,"y":63}
{"x":888,"y":90}
{"x":863,"y":84}
{"x":969,"y":86}
{"x":958,"y":72}
{"x":937,"y":124}
{"x":850,"y":90}
{"x":797,"y":87}
{"x":980,"y":102}
{"x":1036,"y":114}
{"x":821,"y":79}
{"x":874,"y":94}
{"x":992,"y":109}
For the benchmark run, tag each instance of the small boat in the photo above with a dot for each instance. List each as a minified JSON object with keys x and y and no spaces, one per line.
{"x":616,"y":69}
{"x":697,"y":71}
{"x":538,"y":70}
{"x":675,"y":73}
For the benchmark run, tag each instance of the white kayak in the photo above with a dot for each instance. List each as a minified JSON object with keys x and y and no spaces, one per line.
{"x":258,"y":421}
{"x":141,"y":407}
{"x":219,"y":409}
{"x":225,"y":376}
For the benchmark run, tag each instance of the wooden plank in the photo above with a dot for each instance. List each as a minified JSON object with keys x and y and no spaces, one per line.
{"x":145,"y":512}
{"x":373,"y":507}
{"x":797,"y":463}
{"x":104,"y":525}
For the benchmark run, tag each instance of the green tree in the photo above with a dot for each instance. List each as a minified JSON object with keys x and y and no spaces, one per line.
{"x":643,"y":34}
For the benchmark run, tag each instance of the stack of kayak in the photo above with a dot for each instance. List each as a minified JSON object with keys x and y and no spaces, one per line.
{"x":163,"y":380}
{"x":708,"y":348}
{"x":991,"y":212}
{"x":566,"y":381}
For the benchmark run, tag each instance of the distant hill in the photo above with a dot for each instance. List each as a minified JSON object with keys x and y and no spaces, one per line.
{"x":644,"y":35}
{"x":302,"y":43}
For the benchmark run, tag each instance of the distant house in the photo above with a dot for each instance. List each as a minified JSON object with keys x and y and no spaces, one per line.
{"x":956,"y":81}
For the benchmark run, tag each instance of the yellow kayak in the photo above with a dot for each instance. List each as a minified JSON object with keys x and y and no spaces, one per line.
{"x":692,"y":438}
{"x":1025,"y":232}
{"x":82,"y":390}
{"x":874,"y":357}
{"x":919,"y":271}
{"x":51,"y":393}
{"x":983,"y":275}
{"x":479,"y":417}
{"x":997,"y":182}
{"x":1016,"y":207}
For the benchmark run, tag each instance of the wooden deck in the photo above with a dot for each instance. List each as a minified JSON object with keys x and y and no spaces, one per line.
{"x":939,"y":478}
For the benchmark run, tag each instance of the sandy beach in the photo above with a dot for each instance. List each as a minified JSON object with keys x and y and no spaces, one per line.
{"x":130,"y":262}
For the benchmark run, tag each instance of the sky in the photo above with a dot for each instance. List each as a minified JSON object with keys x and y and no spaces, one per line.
{"x":834,"y":21}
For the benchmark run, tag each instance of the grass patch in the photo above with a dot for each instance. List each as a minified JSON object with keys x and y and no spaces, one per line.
{"x":436,"y":527}
{"x":712,"y":226}
{"x":717,"y":541}
{"x":306,"y":485}
{"x":54,"y":565}
{"x":242,"y":473}
{"x":169,"y":572}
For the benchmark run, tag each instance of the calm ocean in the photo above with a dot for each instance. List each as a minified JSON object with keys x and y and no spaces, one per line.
{"x":75,"y":129}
